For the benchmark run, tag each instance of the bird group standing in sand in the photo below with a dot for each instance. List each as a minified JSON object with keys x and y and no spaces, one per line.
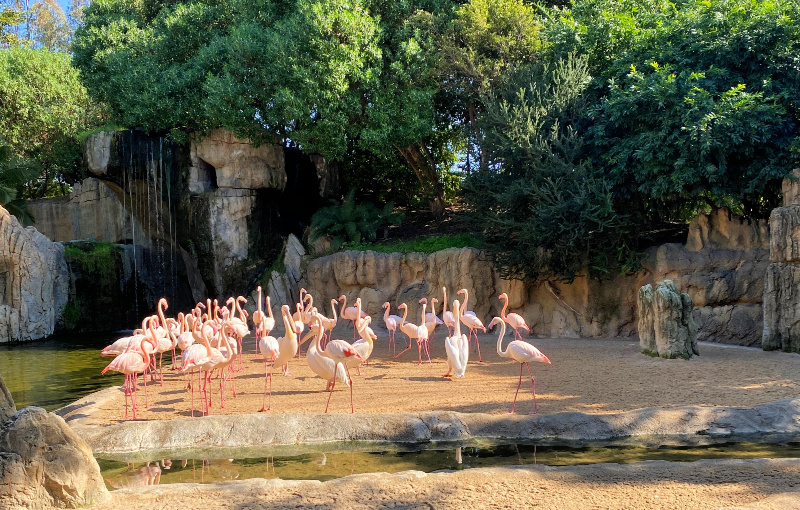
{"x":210,"y":340}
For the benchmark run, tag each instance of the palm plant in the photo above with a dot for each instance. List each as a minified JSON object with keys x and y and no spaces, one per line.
{"x":14,"y":172}
{"x":349,"y":222}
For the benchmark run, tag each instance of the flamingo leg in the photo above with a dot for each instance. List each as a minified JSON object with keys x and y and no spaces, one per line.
{"x":533,"y":384}
{"x":478,"y":344}
{"x":133,"y":396}
{"x":160,"y":370}
{"x":173,"y":359}
{"x":517,"y":393}
{"x":144,"y":379}
{"x":267,"y":374}
{"x":191,"y":386}
{"x":352,"y":409}
{"x":404,"y":350}
{"x":126,"y":390}
{"x":331,"y":393}
{"x":427,"y":352}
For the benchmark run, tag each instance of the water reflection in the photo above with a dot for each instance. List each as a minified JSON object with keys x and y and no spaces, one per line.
{"x":54,"y":372}
{"x":330,"y":465}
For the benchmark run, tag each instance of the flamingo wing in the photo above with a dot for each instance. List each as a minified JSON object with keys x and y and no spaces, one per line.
{"x":523,"y":352}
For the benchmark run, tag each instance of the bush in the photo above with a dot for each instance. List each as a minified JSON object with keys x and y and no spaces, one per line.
{"x":349,"y":222}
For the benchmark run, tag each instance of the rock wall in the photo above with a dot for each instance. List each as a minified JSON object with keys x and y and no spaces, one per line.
{"x":92,"y":210}
{"x":782,"y":286}
{"x":33,"y":282}
{"x":721,"y":268}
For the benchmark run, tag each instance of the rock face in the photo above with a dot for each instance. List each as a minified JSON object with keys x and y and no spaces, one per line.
{"x":237,"y":163}
{"x":666,"y":326}
{"x":782,"y":285}
{"x":723,"y":274}
{"x":92,"y":210}
{"x":33,"y":282}
{"x":43,"y":463}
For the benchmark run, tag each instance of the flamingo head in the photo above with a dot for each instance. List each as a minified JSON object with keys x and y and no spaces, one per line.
{"x":402,"y":305}
{"x":423,"y":300}
{"x":163,"y":302}
{"x":258,"y":289}
{"x":541,"y":358}
{"x":229,"y":300}
{"x":496,"y":320}
{"x":503,"y":296}
{"x":386,"y":305}
{"x":462,"y":291}
{"x":341,"y":298}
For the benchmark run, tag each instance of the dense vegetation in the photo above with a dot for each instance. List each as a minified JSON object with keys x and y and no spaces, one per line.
{"x":571,"y":130}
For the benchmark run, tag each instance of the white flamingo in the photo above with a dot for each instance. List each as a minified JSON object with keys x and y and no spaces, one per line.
{"x":457,"y":347}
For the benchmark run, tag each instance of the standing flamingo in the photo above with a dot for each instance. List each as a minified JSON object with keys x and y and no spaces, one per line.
{"x":363,"y":345}
{"x":130,"y":363}
{"x":350,"y":313}
{"x":457,"y":347}
{"x":287,"y":343}
{"x":258,"y":317}
{"x":408,"y":328}
{"x":521,"y":352}
{"x":514,"y":320}
{"x":270,"y":349}
{"x":470,"y":320}
{"x":447,"y":317}
{"x":339,"y":351}
{"x":328,"y":324}
{"x":392,"y":322}
{"x":324,"y":367}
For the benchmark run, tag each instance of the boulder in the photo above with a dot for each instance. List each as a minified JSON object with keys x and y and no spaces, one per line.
{"x":672,"y":326}
{"x":791,"y":188}
{"x":98,"y":152}
{"x":34,"y":282}
{"x":738,"y":324}
{"x":237,"y":162}
{"x":43,"y":463}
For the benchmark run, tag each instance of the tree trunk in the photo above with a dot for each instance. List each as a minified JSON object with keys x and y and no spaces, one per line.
{"x":421,"y":161}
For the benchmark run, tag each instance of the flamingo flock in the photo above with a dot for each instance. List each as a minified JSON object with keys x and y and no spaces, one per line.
{"x":210,"y":340}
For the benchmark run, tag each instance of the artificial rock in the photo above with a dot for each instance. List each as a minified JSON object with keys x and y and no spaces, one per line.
{"x":666,"y":325}
{"x":34,"y":282}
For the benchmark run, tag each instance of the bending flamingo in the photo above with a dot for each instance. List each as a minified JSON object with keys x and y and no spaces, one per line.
{"x":521,"y":352}
{"x":130,"y":363}
{"x":470,"y":320}
{"x":339,"y":351}
{"x":514,"y":320}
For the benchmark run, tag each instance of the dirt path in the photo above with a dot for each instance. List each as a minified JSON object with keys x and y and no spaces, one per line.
{"x":647,"y":485}
{"x":587,"y":375}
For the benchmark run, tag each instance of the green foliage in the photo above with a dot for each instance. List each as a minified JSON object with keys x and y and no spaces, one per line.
{"x":430,"y":244}
{"x":9,"y":18}
{"x":99,"y":259}
{"x":14,"y":173}
{"x":72,"y":314}
{"x":44,"y":107}
{"x":349,"y":222}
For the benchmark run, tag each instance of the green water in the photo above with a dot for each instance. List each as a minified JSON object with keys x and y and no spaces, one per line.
{"x":54,"y":372}
{"x":208,"y":468}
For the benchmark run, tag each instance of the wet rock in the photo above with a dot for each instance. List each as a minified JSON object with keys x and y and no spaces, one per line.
{"x":33,"y":282}
{"x":665,"y":319}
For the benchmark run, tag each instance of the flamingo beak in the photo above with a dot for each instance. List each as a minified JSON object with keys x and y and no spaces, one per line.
{"x":545,"y":359}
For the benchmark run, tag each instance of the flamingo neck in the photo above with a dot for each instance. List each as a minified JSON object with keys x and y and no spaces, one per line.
{"x":386,"y":314}
{"x":405,"y":314}
{"x":444,"y":297}
{"x":333,"y":309}
{"x":456,"y":310}
{"x":269,"y":309}
{"x":505,"y":307}
{"x":500,"y":351}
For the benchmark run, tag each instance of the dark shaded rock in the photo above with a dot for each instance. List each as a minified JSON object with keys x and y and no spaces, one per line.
{"x":7,"y":406}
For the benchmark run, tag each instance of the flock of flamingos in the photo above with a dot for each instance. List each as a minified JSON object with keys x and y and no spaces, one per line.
{"x":210,"y":339}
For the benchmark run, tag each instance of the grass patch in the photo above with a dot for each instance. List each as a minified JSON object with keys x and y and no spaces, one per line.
{"x":422,"y":245}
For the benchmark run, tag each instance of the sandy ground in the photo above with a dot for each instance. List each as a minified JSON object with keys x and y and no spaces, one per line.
{"x":587,"y":375}
{"x":646,"y":485}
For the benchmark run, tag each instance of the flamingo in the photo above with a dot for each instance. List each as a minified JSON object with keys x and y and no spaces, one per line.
{"x":328,"y":324}
{"x":338,"y":351}
{"x":363,"y":345}
{"x":422,"y":333}
{"x":270,"y":349}
{"x":324,"y":367}
{"x":193,"y":356}
{"x":269,"y":321}
{"x":431,"y":321}
{"x":258,"y":316}
{"x":408,"y":328}
{"x":228,"y":352}
{"x":457,"y":347}
{"x":447,"y":317}
{"x":514,"y":320}
{"x":350,"y":313}
{"x":130,"y":363}
{"x":521,"y":352}
{"x":470,"y":320}
{"x":202,"y":356}
{"x":392,"y":322}
{"x":287,"y":343}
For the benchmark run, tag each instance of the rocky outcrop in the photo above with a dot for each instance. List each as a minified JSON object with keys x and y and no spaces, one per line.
{"x":722,"y":230}
{"x":7,"y":406}
{"x":666,"y":326}
{"x":99,"y":148}
{"x":781,"y":328}
{"x":237,"y":163}
{"x":33,"y":282}
{"x":93,"y":210}
{"x":43,"y":463}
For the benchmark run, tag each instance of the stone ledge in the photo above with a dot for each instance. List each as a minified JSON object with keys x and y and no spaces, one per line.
{"x":252,"y":430}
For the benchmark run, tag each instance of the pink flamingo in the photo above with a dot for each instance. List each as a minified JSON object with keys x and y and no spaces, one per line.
{"x":287,"y":343}
{"x":431,"y":321}
{"x":521,"y":352}
{"x":471,"y":321}
{"x":269,"y":348}
{"x":350,"y":313}
{"x":392,"y":322}
{"x":130,"y":363}
{"x":319,"y":364}
{"x":258,"y":316}
{"x":447,"y":317}
{"x":328,"y":324}
{"x":408,"y":328}
{"x":422,"y":333}
{"x":514,"y":320}
{"x":339,"y":351}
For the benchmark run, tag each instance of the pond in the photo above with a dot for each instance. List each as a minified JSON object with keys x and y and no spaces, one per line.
{"x":208,"y":466}
{"x":54,"y":372}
